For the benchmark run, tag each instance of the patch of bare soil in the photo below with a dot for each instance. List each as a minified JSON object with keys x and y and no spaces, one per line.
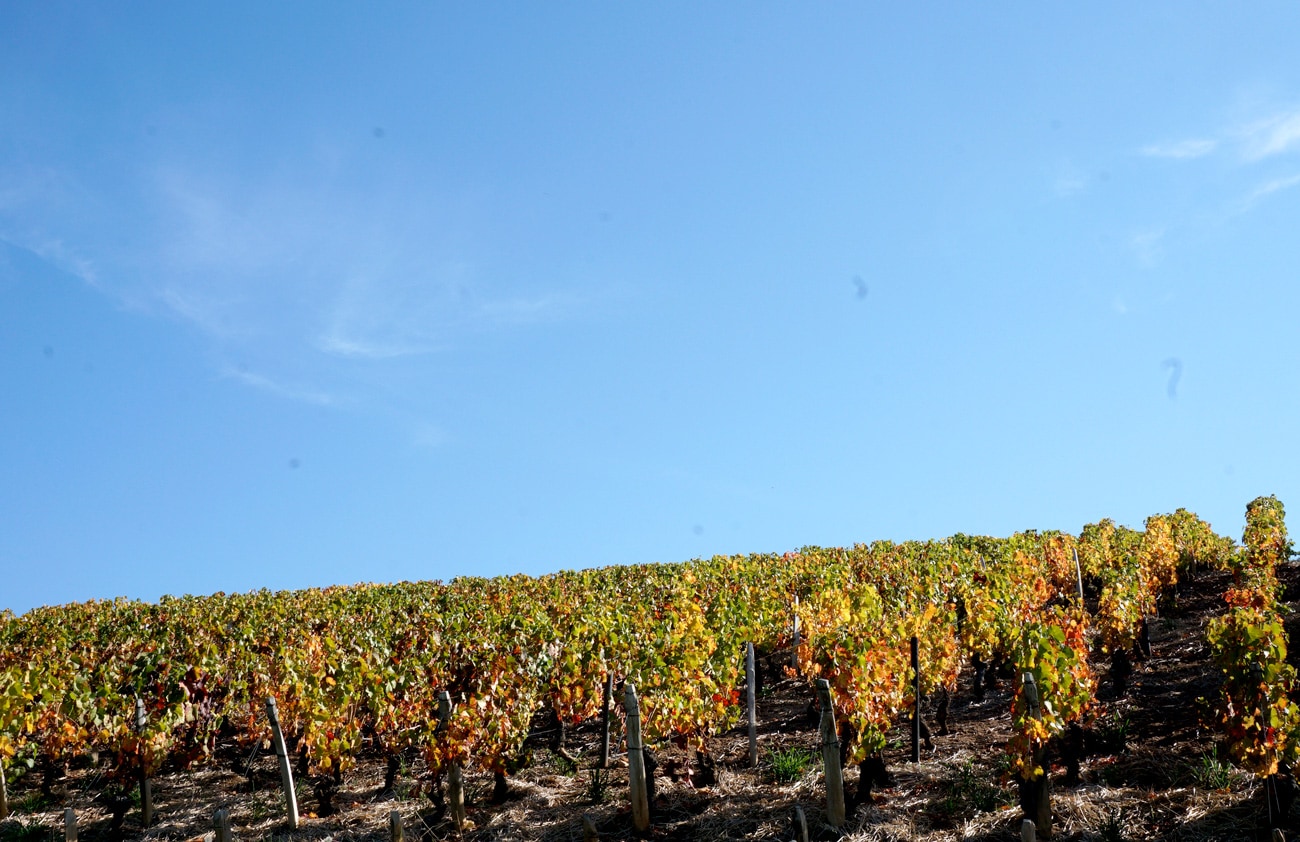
{"x":1151,"y":770}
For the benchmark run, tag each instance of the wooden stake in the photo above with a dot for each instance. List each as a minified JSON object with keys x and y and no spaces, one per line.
{"x":606,"y":699}
{"x":456,"y":795}
{"x":1036,"y":794}
{"x":70,"y":825}
{"x":831,"y":757}
{"x":1027,"y":831}
{"x":286,"y":771}
{"x":221,"y":825}
{"x":751,"y":704}
{"x":455,"y":777}
{"x":1078,"y":572}
{"x":4,"y":792}
{"x":589,"y":833}
{"x":800,"y":825}
{"x":916,"y":703}
{"x":146,"y":791}
{"x":395,"y":832}
{"x":444,"y":710}
{"x":794,"y":648}
{"x":636,"y":762}
{"x":1031,"y":695}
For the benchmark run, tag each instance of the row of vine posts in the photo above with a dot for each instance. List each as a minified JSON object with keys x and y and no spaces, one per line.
{"x":1035,"y":795}
{"x":639,"y":784}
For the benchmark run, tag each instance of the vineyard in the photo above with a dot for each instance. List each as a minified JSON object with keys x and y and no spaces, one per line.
{"x":924,"y":690}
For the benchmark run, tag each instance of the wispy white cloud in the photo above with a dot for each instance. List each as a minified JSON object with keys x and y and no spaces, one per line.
{"x":293,"y":264}
{"x":430,"y":436}
{"x":1245,"y":148}
{"x":66,"y":258}
{"x":371,"y":327}
{"x":1147,"y":245}
{"x":280,"y":389}
{"x":379,"y":317}
{"x":362,"y":282}
{"x":1253,"y":140}
{"x":1181,"y":150}
{"x":1267,"y":189}
{"x":21,"y":195}
{"x":207,"y":314}
{"x":1270,"y":137}
{"x":1069,"y":185}
{"x":526,"y":311}
{"x":357,"y":348}
{"x":383,"y":314}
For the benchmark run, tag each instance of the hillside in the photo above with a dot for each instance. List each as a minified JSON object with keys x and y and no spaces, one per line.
{"x":1150,"y":772}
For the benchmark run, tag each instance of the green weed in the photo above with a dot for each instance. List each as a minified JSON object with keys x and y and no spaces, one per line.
{"x":566,"y":767}
{"x":31,"y":802}
{"x":1003,"y":767}
{"x":598,"y":788}
{"x":1111,"y":734}
{"x":968,"y":788}
{"x":13,"y":831}
{"x":1112,"y":830}
{"x":788,"y":765}
{"x":1211,"y":772}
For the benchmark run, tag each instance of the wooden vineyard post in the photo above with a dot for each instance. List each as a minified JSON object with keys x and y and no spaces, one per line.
{"x":636,"y":762}
{"x":4,"y":792}
{"x":1078,"y":573}
{"x":444,"y":710}
{"x":794,"y":646}
{"x":1036,"y":794}
{"x":916,"y":702}
{"x":800,"y":825}
{"x":606,"y":698}
{"x":395,"y":832}
{"x":456,"y":795}
{"x":751,"y":704}
{"x":286,"y":771}
{"x":221,"y":825}
{"x":455,"y":777}
{"x":589,"y":833}
{"x":1027,"y":833}
{"x":1273,"y":799}
{"x":146,"y":790}
{"x":69,"y":825}
{"x":831,"y":757}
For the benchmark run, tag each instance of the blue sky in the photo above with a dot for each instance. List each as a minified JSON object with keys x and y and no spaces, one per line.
{"x":301,"y":294}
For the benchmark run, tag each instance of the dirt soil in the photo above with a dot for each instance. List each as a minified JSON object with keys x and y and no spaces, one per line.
{"x":1153,"y":771}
